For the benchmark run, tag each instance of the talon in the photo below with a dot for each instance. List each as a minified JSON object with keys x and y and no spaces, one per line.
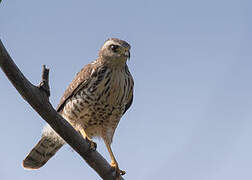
{"x":118,"y":171}
{"x":122,"y":172}
{"x":92,"y":144}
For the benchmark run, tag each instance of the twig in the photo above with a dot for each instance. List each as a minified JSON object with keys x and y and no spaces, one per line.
{"x":44,"y":84}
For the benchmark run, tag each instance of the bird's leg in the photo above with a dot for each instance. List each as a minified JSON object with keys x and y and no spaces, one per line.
{"x":114,"y":163}
{"x":92,"y":144}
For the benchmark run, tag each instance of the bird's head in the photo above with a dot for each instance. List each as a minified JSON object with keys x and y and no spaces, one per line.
{"x":115,"y":51}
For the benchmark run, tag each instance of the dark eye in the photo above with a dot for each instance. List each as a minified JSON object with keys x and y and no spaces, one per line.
{"x":114,"y":47}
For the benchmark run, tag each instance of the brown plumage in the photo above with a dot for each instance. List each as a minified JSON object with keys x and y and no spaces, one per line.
{"x":93,"y":103}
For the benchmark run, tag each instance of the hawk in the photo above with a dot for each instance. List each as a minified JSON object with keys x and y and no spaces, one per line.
{"x":93,"y":103}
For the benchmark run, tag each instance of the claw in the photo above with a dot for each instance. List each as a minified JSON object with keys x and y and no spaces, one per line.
{"x":92,"y":144}
{"x":122,"y":172}
{"x":117,"y":170}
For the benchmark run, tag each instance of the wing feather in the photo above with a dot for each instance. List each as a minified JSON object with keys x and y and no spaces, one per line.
{"x":128,"y":104}
{"x":131,"y":91}
{"x":81,"y":80}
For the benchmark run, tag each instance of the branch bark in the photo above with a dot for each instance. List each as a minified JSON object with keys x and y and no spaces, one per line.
{"x":38,"y":98}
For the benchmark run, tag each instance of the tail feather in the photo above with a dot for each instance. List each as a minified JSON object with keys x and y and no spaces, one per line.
{"x":41,"y":153}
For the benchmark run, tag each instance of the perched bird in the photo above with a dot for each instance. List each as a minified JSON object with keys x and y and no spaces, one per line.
{"x":93,"y":103}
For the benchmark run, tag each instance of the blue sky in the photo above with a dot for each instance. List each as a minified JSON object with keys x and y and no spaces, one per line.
{"x":191,"y":61}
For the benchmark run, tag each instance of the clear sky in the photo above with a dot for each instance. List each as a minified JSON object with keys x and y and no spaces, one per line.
{"x":192,"y":64}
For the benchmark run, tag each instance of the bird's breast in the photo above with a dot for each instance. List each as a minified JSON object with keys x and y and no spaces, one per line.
{"x":100,"y":105}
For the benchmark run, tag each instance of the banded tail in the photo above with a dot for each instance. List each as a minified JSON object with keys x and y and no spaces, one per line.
{"x":48,"y":145}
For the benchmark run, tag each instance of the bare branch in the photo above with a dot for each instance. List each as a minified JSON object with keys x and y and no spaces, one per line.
{"x":38,"y":98}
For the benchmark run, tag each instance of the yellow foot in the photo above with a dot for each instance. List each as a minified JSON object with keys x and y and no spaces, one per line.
{"x":92,"y":144}
{"x":118,"y":171}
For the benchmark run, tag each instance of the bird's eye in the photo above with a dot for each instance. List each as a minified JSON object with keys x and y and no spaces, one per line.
{"x":114,"y":47}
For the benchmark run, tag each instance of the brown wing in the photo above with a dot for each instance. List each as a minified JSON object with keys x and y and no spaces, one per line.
{"x":81,"y":79}
{"x":131,"y":90}
{"x":128,"y":104}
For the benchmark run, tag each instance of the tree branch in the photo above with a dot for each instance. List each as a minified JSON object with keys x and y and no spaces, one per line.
{"x":38,"y":98}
